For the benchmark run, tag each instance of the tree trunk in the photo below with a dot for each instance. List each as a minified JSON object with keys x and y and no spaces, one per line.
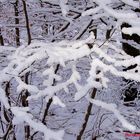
{"x":17,"y":23}
{"x":27,"y":22}
{"x":88,"y":112}
{"x":1,"y":39}
{"x":26,"y":93}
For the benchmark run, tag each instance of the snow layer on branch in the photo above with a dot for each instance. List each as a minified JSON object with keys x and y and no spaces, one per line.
{"x":52,"y":1}
{"x":131,"y":30}
{"x":62,"y":3}
{"x":66,"y":54}
{"x":119,"y":14}
{"x":21,"y":115}
{"x":104,"y":1}
{"x":123,"y":15}
{"x":110,"y":68}
{"x":125,"y":61}
{"x":64,"y":7}
{"x":60,"y":53}
{"x":51,"y":89}
{"x":57,"y":101}
{"x":91,"y":11}
{"x":23,"y":86}
{"x":113,"y":108}
{"x":51,"y":76}
{"x":131,"y":3}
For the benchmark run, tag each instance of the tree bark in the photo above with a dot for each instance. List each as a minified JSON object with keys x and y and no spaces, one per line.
{"x":17,"y":23}
{"x":27,"y":22}
{"x":88,"y":112}
{"x":1,"y":39}
{"x":26,"y":94}
{"x":50,"y":100}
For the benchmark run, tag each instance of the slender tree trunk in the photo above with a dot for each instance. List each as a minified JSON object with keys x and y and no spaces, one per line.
{"x":27,"y":22}
{"x":47,"y":105}
{"x":1,"y":39}
{"x":88,"y":112}
{"x":108,"y":33}
{"x":89,"y":108}
{"x":25,"y":103}
{"x":50,"y":100}
{"x":46,"y":110}
{"x":17,"y":23}
{"x":26,"y":93}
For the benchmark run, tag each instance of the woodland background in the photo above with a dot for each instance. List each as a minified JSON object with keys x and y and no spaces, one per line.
{"x":69,"y":69}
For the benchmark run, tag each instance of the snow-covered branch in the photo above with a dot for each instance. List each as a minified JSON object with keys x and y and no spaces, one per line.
{"x":21,"y":115}
{"x":113,"y":108}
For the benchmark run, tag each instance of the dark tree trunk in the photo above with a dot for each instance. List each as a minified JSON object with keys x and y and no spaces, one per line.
{"x":27,"y":22}
{"x":50,"y":100}
{"x":25,"y":103}
{"x":1,"y":39}
{"x":90,"y":106}
{"x":88,"y":112}
{"x":26,"y":94}
{"x":17,"y":23}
